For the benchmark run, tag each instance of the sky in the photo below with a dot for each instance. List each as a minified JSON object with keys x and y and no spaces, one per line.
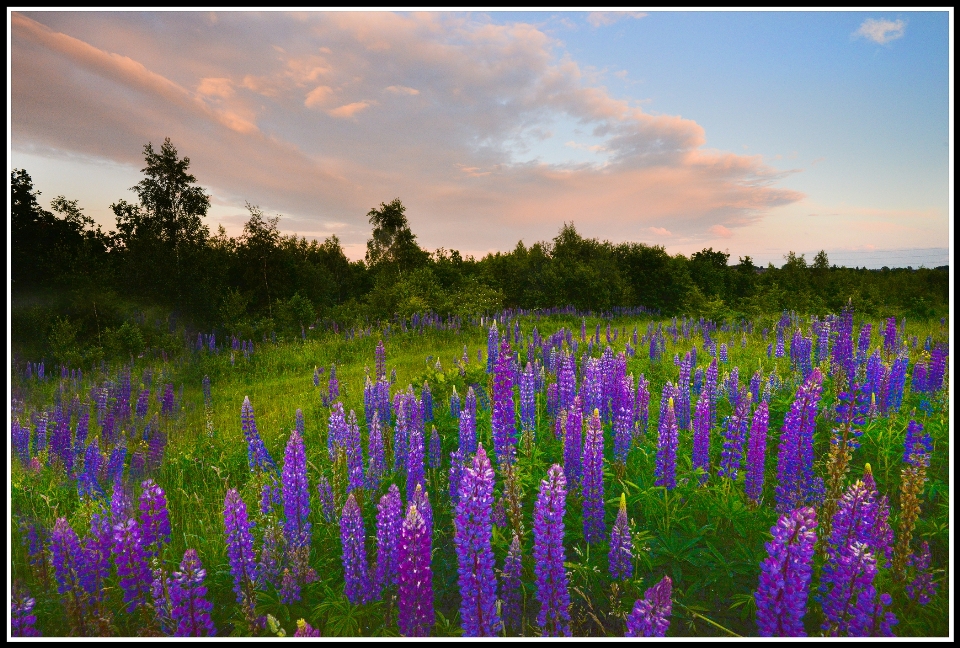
{"x":756,"y":133}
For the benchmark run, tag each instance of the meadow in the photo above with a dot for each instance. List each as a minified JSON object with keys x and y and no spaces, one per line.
{"x":781,"y":476}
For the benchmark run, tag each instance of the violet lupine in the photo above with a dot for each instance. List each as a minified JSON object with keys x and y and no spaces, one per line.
{"x":455,"y":404}
{"x":503,"y":417}
{"x":897,"y":383}
{"x":120,"y":505}
{"x":666,"y":469}
{"x":97,"y":546}
{"x":710,"y":388}
{"x":333,"y":388}
{"x":22,"y":619}
{"x":573,"y":444}
{"x":642,"y":406}
{"x":468,"y":430}
{"x":548,"y":555}
{"x":701,"y":437}
{"x":683,"y":393}
{"x":621,"y":546}
{"x":389,"y":522}
{"x":781,"y":595}
{"x":566,"y":381}
{"x":154,"y":518}
{"x":528,"y":399}
{"x":493,"y":338}
{"x":922,"y":587}
{"x":337,"y":430}
{"x":325,"y":494}
{"x":426,"y":399}
{"x":401,"y":431}
{"x":457,"y":460}
{"x":355,"y":478}
{"x":473,"y":532}
{"x":594,"y":526}
{"x":436,"y":449}
{"x":859,"y":518}
{"x":257,"y":455}
{"x":20,"y":442}
{"x":623,"y":419}
{"x":355,"y":569}
{"x":917,"y":446}
{"x":757,"y":452}
{"x":143,"y":403}
{"x":591,"y":391}
{"x":890,"y":335}
{"x":651,"y":615}
{"x":69,"y":564}
{"x":375,"y":452}
{"x":381,"y":360}
{"x":166,"y":400}
{"x":852,"y":607}
{"x":796,"y":483}
{"x":131,"y":563}
{"x":240,"y":552}
{"x":189,"y":609}
{"x":415,"y":461}
{"x":737,"y":425}
{"x":415,"y":616}
{"x":60,"y":441}
{"x":421,"y":500}
{"x":271,"y":554}
{"x":510,"y":586}
{"x":116,"y":464}
{"x":296,"y":494}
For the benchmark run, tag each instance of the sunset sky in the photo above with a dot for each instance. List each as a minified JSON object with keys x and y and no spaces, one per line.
{"x":755,"y":133}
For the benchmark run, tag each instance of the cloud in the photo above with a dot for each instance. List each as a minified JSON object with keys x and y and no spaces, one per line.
{"x":606,"y":18}
{"x":721,"y":231}
{"x":660,"y":231}
{"x":881,"y":31}
{"x":284,"y":120}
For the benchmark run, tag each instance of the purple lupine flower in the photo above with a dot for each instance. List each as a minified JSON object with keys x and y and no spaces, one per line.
{"x":355,"y":569}
{"x":591,"y":391}
{"x":701,"y":436}
{"x":683,"y":394}
{"x":270,"y":555}
{"x":97,"y":546}
{"x":131,"y":563}
{"x":381,"y":361}
{"x":166,"y":400}
{"x":897,"y":383}
{"x":548,"y":555}
{"x":852,"y":607}
{"x":401,"y":431}
{"x":937,"y":368}
{"x":503,"y":418}
{"x":736,"y":433}
{"x":455,"y":404}
{"x":415,"y":599}
{"x":922,"y":587}
{"x":710,"y":388}
{"x":20,"y":442}
{"x":566,"y":381}
{"x":642,"y":408}
{"x":60,"y":441}
{"x":723,"y":352}
{"x":436,"y":449}
{"x":667,"y":448}
{"x":621,"y":547}
{"x":426,"y":398}
{"x":333,"y":388}
{"x":890,"y":335}
{"x":594,"y":526}
{"x":271,"y":494}
{"x":553,"y":406}
{"x":421,"y":500}
{"x":796,"y":481}
{"x":478,"y":607}
{"x":493,"y":338}
{"x":189,"y":609}
{"x":468,"y":430}
{"x":257,"y":455}
{"x":154,"y":518}
{"x":375,"y":451}
{"x":863,"y":343}
{"x":510,"y":585}
{"x":415,"y":461}
{"x":573,"y":445}
{"x":240,"y":552}
{"x":917,"y":446}
{"x":389,"y":512}
{"x":756,"y":453}
{"x":337,"y":430}
{"x":298,"y":423}
{"x":354,"y":451}
{"x":781,"y":595}
{"x":116,"y":464}
{"x":143,"y":403}
{"x":296,"y":494}
{"x":528,"y":399}
{"x":881,"y":536}
{"x":304,"y":629}
{"x":651,"y":615}
{"x":68,"y":564}
{"x":22,"y":619}
{"x":623,"y":419}
{"x":859,"y":518}
{"x":457,"y":460}
{"x":325,"y":493}
{"x":120,"y":505}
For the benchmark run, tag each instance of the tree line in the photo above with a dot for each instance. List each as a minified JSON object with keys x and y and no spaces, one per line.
{"x":72,"y":281}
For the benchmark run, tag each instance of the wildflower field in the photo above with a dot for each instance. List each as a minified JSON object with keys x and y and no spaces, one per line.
{"x":530,"y":474}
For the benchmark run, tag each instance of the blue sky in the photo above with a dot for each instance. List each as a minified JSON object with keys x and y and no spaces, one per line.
{"x":754,"y":132}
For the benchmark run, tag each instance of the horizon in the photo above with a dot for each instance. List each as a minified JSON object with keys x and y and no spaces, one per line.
{"x":727,"y":130}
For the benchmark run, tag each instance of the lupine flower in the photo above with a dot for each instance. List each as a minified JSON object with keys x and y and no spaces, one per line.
{"x":548,"y":555}
{"x":468,"y":428}
{"x":667,"y":448}
{"x":436,"y":449}
{"x":781,"y":595}
{"x":271,"y":554}
{"x":333,"y":389}
{"x":381,"y":360}
{"x":478,"y":607}
{"x":621,"y":547}
{"x":852,"y":607}
{"x":457,"y":460}
{"x":710,"y":387}
{"x":401,"y":431}
{"x":510,"y":585}
{"x":304,"y":629}
{"x":922,"y":587}
{"x":189,"y":609}
{"x":354,"y":452}
{"x":756,"y":453}
{"x":422,"y":502}
{"x":337,"y":430}
{"x":325,"y":493}
{"x":22,"y":618}
{"x":154,"y":517}
{"x":623,"y":419}
{"x":492,"y":342}
{"x":918,"y":445}
{"x":69,"y":565}
{"x":528,"y":399}
{"x":415,"y":598}
{"x":594,"y":527}
{"x":296,"y":494}
{"x":20,"y":442}
{"x":240,"y":552}
{"x":415,"y":461}
{"x":375,"y":452}
{"x":913,"y":476}
{"x":116,"y":463}
{"x":503,"y":417}
{"x":120,"y":505}
{"x":257,"y":455}
{"x":651,"y":615}
{"x":642,"y":407}
{"x":573,"y":444}
{"x":389,"y":512}
{"x":355,"y":570}
{"x":737,"y":425}
{"x":796,"y":481}
{"x":166,"y":400}
{"x":271,"y":494}
{"x":701,"y":437}
{"x":455,"y":404}
{"x":426,"y":398}
{"x":131,"y":563}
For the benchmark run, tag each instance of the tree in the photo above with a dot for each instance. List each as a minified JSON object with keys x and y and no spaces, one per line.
{"x":392,"y":242}
{"x":259,"y":244}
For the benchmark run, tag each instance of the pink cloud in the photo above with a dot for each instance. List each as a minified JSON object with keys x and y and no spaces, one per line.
{"x":349,"y":110}
{"x":660,"y":231}
{"x":721,"y":231}
{"x":318,"y":96}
